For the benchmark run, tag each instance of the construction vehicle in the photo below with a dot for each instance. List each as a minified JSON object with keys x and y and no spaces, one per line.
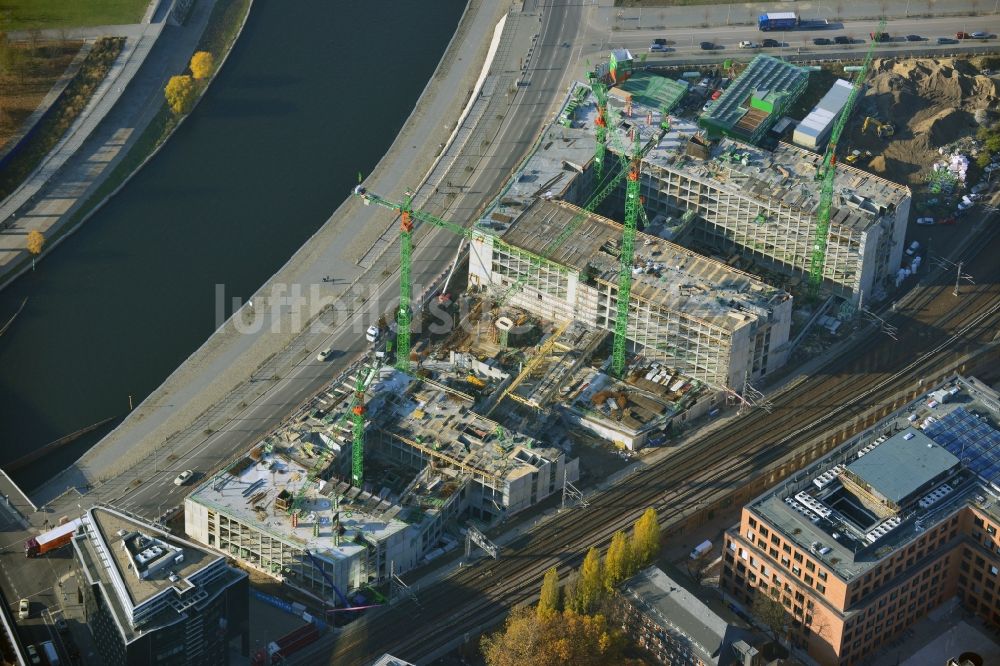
{"x":857,"y":155}
{"x":55,"y":538}
{"x":826,"y":173}
{"x":882,"y":130}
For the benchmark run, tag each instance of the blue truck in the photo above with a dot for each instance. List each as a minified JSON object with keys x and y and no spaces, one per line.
{"x":778,"y":21}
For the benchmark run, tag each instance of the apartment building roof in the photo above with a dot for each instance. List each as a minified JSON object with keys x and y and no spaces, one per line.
{"x":901,"y":477}
{"x":668,"y":604}
{"x":664,"y":274}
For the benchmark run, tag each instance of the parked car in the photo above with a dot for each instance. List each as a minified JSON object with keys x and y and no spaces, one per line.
{"x":925,"y":220}
{"x":707,"y":46}
{"x":659,"y":41}
{"x":842,"y":39}
{"x":880,"y":37}
{"x":183,"y":477}
{"x":747,"y":44}
{"x":23,"y":609}
{"x":821,"y":41}
{"x":373,"y":333}
{"x":914,"y":246}
{"x":946,"y":40}
{"x":979,"y":34}
{"x":61,"y":625}
{"x":325,"y":354}
{"x":708,"y":105}
{"x":654,"y":47}
{"x":33,"y":656}
{"x":914,"y":38}
{"x":716,"y":95}
{"x":770,"y":43}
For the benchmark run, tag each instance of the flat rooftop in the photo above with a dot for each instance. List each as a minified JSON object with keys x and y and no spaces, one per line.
{"x":928,"y":459}
{"x":652,"y":90}
{"x":262,"y":492}
{"x":665,"y":274}
{"x":902,"y":465}
{"x":149,"y":576}
{"x":127,"y":540}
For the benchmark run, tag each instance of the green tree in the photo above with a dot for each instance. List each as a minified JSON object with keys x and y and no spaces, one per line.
{"x":619,"y":563}
{"x":202,"y":64}
{"x":588,"y":585}
{"x":770,"y":612}
{"x":180,"y":94}
{"x":553,"y":640}
{"x":646,"y":538}
{"x":548,"y":599}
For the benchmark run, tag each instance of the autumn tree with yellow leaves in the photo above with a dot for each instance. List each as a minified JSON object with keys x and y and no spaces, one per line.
{"x":180,"y":94}
{"x":202,"y":64}
{"x":36,"y":240}
{"x":553,"y":639}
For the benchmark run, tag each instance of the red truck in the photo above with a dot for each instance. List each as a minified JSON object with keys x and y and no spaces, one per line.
{"x":57,"y":537}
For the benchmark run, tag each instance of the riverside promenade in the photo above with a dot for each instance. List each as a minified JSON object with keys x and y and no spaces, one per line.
{"x":120,"y":109}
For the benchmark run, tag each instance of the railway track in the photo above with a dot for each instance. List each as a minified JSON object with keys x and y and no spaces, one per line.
{"x":936,"y":330}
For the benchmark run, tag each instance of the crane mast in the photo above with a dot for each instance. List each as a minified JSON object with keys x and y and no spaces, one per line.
{"x":826,"y":172}
{"x":632,"y":205}
{"x":600,"y":90}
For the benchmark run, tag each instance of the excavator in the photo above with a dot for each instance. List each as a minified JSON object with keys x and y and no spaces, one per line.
{"x":883,"y":130}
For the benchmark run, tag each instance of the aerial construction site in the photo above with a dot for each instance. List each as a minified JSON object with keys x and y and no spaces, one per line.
{"x":665,"y":247}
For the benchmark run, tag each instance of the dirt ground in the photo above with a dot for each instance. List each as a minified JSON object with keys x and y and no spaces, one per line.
{"x":26,"y":76}
{"x":932,"y":103}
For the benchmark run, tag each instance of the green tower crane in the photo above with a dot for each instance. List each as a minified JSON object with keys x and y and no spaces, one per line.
{"x":826,"y":172}
{"x":358,"y":421}
{"x":600,"y":90}
{"x":632,"y":206}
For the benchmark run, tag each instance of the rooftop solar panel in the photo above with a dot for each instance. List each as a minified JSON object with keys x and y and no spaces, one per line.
{"x":970,"y":439}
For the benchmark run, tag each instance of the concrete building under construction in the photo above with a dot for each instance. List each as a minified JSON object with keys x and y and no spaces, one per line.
{"x":497,"y":472}
{"x":320,"y":537}
{"x":715,"y":323}
{"x":763,"y":204}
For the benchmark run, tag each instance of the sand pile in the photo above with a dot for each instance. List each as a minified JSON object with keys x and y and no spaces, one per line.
{"x":932,"y":103}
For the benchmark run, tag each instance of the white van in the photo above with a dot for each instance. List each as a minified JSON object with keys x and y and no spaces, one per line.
{"x":373,"y":333}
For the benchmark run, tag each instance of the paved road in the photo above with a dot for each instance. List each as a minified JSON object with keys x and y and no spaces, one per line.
{"x":686,"y":41}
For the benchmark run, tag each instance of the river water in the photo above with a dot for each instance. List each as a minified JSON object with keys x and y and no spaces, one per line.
{"x":313,"y":93}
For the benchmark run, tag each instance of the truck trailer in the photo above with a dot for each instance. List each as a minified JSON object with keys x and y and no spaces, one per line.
{"x":55,"y":538}
{"x":778,"y":21}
